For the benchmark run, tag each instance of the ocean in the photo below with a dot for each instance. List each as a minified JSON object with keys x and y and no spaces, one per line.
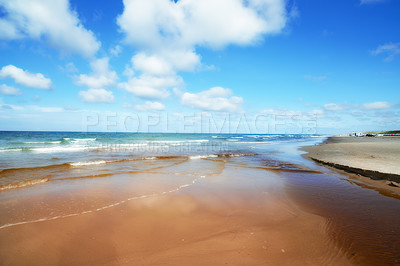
{"x":30,"y":158}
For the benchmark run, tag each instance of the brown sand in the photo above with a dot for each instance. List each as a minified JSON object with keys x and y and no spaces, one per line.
{"x":240,"y":216}
{"x":377,"y":158}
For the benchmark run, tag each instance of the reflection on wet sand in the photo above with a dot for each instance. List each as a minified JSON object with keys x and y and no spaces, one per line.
{"x":244,"y":209}
{"x":210,"y":210}
{"x":362,"y":222}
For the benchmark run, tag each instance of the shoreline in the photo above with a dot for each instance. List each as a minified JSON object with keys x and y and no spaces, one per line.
{"x":360,"y":158}
{"x":207,"y":211}
{"x":273,"y":207}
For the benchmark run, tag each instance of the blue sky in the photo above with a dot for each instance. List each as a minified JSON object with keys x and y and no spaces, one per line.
{"x":256,"y":66}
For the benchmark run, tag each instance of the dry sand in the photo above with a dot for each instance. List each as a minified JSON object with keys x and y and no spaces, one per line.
{"x":377,"y":158}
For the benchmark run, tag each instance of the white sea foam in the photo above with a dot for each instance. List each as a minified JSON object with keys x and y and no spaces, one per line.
{"x":77,"y":164}
{"x":83,"y":140}
{"x":42,"y":142}
{"x":8,"y":150}
{"x":178,"y":141}
{"x":59,"y":149}
{"x":196,"y":157}
{"x":24,"y":184}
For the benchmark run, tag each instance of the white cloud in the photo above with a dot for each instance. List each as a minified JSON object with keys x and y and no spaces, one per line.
{"x":70,"y":108}
{"x":25,"y":78}
{"x":116,"y":50}
{"x":4,"y":106}
{"x":390,"y":49}
{"x":357,"y":113}
{"x":127,"y":105}
{"x":70,"y":67}
{"x":151,"y":64}
{"x":97,"y":96}
{"x":128,"y":72}
{"x":167,"y":34}
{"x":100,"y":77}
{"x":316,"y":112}
{"x":188,"y":23}
{"x":8,"y":90}
{"x":376,"y":105}
{"x":281,"y":112}
{"x":150,"y":106}
{"x":8,"y":31}
{"x":214,"y":99}
{"x":335,"y":107}
{"x":158,"y":72}
{"x":31,"y":108}
{"x":151,"y":87}
{"x":51,"y":20}
{"x":165,"y":62}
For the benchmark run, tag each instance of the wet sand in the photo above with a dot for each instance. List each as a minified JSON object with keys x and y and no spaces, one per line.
{"x":242,"y":210}
{"x":208,"y":211}
{"x":376,"y":158}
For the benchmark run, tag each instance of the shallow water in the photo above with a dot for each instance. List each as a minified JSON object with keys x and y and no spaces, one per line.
{"x":79,"y":177}
{"x":33,"y":158}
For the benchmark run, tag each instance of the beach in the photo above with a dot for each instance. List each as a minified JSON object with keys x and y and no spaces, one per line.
{"x":223,"y":199}
{"x":222,"y":218}
{"x":376,"y":158}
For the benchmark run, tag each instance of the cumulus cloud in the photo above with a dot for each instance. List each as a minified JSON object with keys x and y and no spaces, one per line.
{"x":96,"y":96}
{"x":376,"y":105}
{"x":150,"y":106}
{"x":25,"y":78}
{"x":335,"y":107}
{"x":157,"y":72}
{"x":167,"y":34}
{"x":188,"y":23}
{"x":165,"y":63}
{"x":100,"y":77}
{"x":50,"y":20}
{"x":116,"y":50}
{"x":8,"y":31}
{"x":214,"y":99}
{"x":70,"y":67}
{"x":391,"y":50}
{"x":151,"y":87}
{"x":9,"y":90}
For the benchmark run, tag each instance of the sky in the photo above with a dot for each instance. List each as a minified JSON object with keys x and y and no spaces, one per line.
{"x":226,"y":66}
